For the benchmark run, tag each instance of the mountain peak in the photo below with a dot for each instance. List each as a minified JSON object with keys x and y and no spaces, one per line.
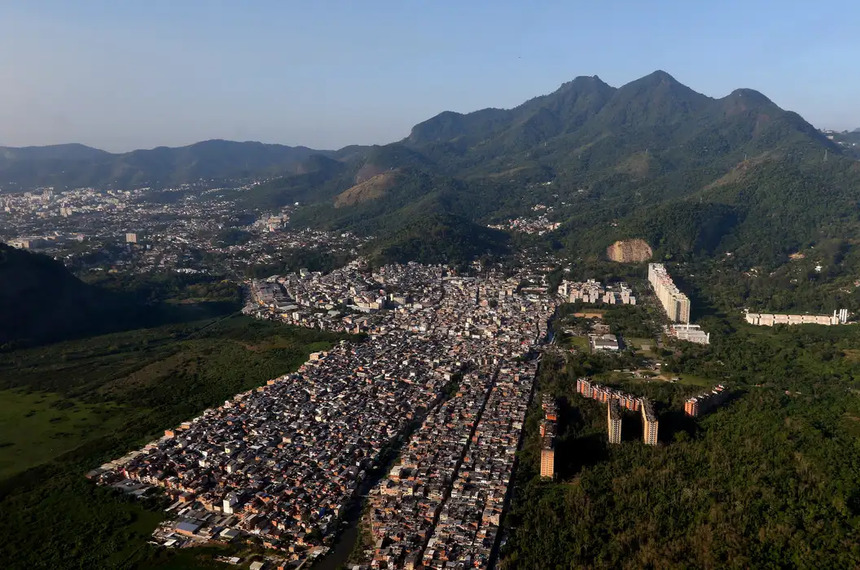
{"x":655,"y":99}
{"x":660,"y":82}
{"x":659,"y":76}
{"x":584,"y":81}
{"x":750,"y":95}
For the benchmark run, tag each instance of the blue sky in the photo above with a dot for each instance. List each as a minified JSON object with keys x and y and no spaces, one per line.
{"x":131,"y":74}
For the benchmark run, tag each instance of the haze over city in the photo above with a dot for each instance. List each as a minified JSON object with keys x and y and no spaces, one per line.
{"x":523,"y":285}
{"x":120,"y":76}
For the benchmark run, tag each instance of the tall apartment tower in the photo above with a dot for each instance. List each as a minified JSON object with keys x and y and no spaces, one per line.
{"x":682,"y":308}
{"x":547,"y":435}
{"x":583,"y":386}
{"x":613,"y":418}
{"x":675,"y":303}
{"x":691,"y":407}
{"x":649,"y":423}
{"x":547,"y":461}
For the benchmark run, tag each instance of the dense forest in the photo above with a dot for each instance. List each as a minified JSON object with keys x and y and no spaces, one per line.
{"x":770,"y":479}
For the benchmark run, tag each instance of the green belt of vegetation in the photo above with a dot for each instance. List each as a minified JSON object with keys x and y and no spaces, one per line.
{"x":67,"y":408}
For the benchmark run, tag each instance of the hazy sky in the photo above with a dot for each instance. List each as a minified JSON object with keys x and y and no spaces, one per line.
{"x":124,"y":74}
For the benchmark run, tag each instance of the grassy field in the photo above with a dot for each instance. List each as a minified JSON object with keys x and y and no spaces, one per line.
{"x":575,"y":341}
{"x":690,"y":379}
{"x":67,"y":408}
{"x":646,"y":346}
{"x":39,"y":426}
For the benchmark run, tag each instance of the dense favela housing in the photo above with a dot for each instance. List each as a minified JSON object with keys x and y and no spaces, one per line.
{"x":280,"y":463}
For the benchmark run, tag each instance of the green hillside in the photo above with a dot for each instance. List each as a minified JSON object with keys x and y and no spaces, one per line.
{"x":693,"y":175}
{"x":40,"y":301}
{"x":696,"y":176}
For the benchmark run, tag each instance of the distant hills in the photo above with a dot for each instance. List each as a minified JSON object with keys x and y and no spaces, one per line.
{"x":74,"y":165}
{"x":652,"y":159}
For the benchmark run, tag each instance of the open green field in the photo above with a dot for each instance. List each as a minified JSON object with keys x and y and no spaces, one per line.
{"x":574,"y":341}
{"x":69,"y":407}
{"x":693,"y":380}
{"x":39,"y":426}
{"x":647,"y":346}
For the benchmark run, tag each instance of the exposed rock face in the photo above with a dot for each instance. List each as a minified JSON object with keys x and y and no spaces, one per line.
{"x":371,"y":189}
{"x":629,"y":251}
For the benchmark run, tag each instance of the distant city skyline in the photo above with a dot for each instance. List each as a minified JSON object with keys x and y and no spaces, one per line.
{"x":122,"y":76}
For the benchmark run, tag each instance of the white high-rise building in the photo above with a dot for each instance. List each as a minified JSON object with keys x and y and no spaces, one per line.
{"x":676,"y":304}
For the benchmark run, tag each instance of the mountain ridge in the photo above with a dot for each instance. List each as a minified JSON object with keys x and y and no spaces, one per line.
{"x":626,"y":157}
{"x":76,"y":165}
{"x":585,"y":109}
{"x":604,"y":157}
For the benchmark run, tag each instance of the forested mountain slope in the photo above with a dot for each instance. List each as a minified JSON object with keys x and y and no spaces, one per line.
{"x":691,"y":174}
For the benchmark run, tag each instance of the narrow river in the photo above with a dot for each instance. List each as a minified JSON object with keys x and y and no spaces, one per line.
{"x":348,"y":535}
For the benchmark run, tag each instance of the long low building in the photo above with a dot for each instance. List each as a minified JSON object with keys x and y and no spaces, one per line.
{"x":839,"y":317}
{"x":690,"y":333}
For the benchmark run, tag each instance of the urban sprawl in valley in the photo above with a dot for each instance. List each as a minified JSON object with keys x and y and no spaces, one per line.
{"x":455,"y":355}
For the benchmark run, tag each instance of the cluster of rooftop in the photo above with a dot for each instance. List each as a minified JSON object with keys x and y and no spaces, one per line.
{"x":347,"y":299}
{"x":467,"y":531}
{"x":705,"y":402}
{"x":595,"y":292}
{"x":675,"y":303}
{"x":142,"y":230}
{"x":539,"y":225}
{"x":281,"y":462}
{"x":442,"y":501}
